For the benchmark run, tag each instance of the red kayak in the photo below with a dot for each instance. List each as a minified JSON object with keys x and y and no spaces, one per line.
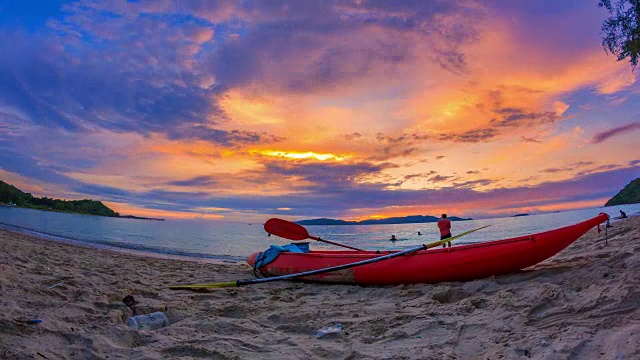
{"x":459,"y":263}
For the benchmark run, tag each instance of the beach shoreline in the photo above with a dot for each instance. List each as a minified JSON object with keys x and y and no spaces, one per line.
{"x":582,"y":303}
{"x":108,"y":246}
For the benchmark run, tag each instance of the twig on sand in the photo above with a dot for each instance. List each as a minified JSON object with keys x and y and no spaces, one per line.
{"x":61,"y":305}
{"x":54,"y":285}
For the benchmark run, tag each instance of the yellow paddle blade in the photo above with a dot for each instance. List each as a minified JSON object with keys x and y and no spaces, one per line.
{"x":204,"y":286}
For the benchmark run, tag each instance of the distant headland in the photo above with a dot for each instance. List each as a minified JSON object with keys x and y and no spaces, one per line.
{"x":630,"y":194}
{"x":12,"y":196}
{"x":413,"y":219}
{"x":138,"y":217}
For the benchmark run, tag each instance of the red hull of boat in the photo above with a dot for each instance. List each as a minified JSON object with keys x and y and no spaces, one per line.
{"x":459,"y":263}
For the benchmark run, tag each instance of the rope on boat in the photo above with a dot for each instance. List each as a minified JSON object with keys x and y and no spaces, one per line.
{"x":257,"y":271}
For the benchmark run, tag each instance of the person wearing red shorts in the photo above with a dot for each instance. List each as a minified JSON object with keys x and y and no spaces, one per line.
{"x":445,"y":229}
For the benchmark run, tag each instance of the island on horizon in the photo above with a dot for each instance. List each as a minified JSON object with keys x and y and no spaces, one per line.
{"x":412,"y":219}
{"x":14,"y":197}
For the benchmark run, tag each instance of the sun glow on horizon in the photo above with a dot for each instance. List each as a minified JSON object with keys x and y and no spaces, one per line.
{"x":303,"y":155}
{"x":127,"y":209}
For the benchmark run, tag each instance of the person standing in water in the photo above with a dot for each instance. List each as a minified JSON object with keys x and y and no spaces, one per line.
{"x":445,"y":229}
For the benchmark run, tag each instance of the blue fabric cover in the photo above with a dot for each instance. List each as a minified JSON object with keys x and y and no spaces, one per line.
{"x":272,"y":253}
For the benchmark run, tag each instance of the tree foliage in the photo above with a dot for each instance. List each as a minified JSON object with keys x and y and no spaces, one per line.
{"x":11,"y":194}
{"x":621,"y":31}
{"x":629,"y":195}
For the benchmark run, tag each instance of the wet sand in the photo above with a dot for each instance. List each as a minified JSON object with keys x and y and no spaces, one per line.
{"x":582,"y":304}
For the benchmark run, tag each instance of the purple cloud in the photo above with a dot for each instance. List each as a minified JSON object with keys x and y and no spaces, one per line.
{"x":334,"y":177}
{"x":227,"y":138}
{"x":333,"y":189}
{"x":578,"y":165}
{"x":196,"y":181}
{"x":471,"y":136}
{"x":531,"y":140}
{"x":504,"y":120}
{"x":98,"y":88}
{"x":142,"y":67}
{"x":160,"y":67}
{"x":519,"y":118}
{"x":353,"y":136}
{"x":472,"y":183}
{"x":439,"y":178}
{"x":604,"y":135}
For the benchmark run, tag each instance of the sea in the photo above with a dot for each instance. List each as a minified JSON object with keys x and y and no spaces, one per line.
{"x":218,"y":240}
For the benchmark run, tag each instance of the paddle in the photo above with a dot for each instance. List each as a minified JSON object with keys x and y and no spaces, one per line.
{"x":322,"y":271}
{"x":292,"y":231}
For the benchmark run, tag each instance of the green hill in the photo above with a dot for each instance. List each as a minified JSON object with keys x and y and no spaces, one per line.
{"x":9,"y":194}
{"x":629,"y":195}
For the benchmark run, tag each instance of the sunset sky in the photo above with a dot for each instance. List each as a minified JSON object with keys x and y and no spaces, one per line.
{"x":244,"y":110}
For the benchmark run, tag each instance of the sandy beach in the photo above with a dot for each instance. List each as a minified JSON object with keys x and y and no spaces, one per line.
{"x":582,"y":304}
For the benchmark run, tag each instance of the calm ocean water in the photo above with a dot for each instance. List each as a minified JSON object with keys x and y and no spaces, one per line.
{"x":234,"y":241}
